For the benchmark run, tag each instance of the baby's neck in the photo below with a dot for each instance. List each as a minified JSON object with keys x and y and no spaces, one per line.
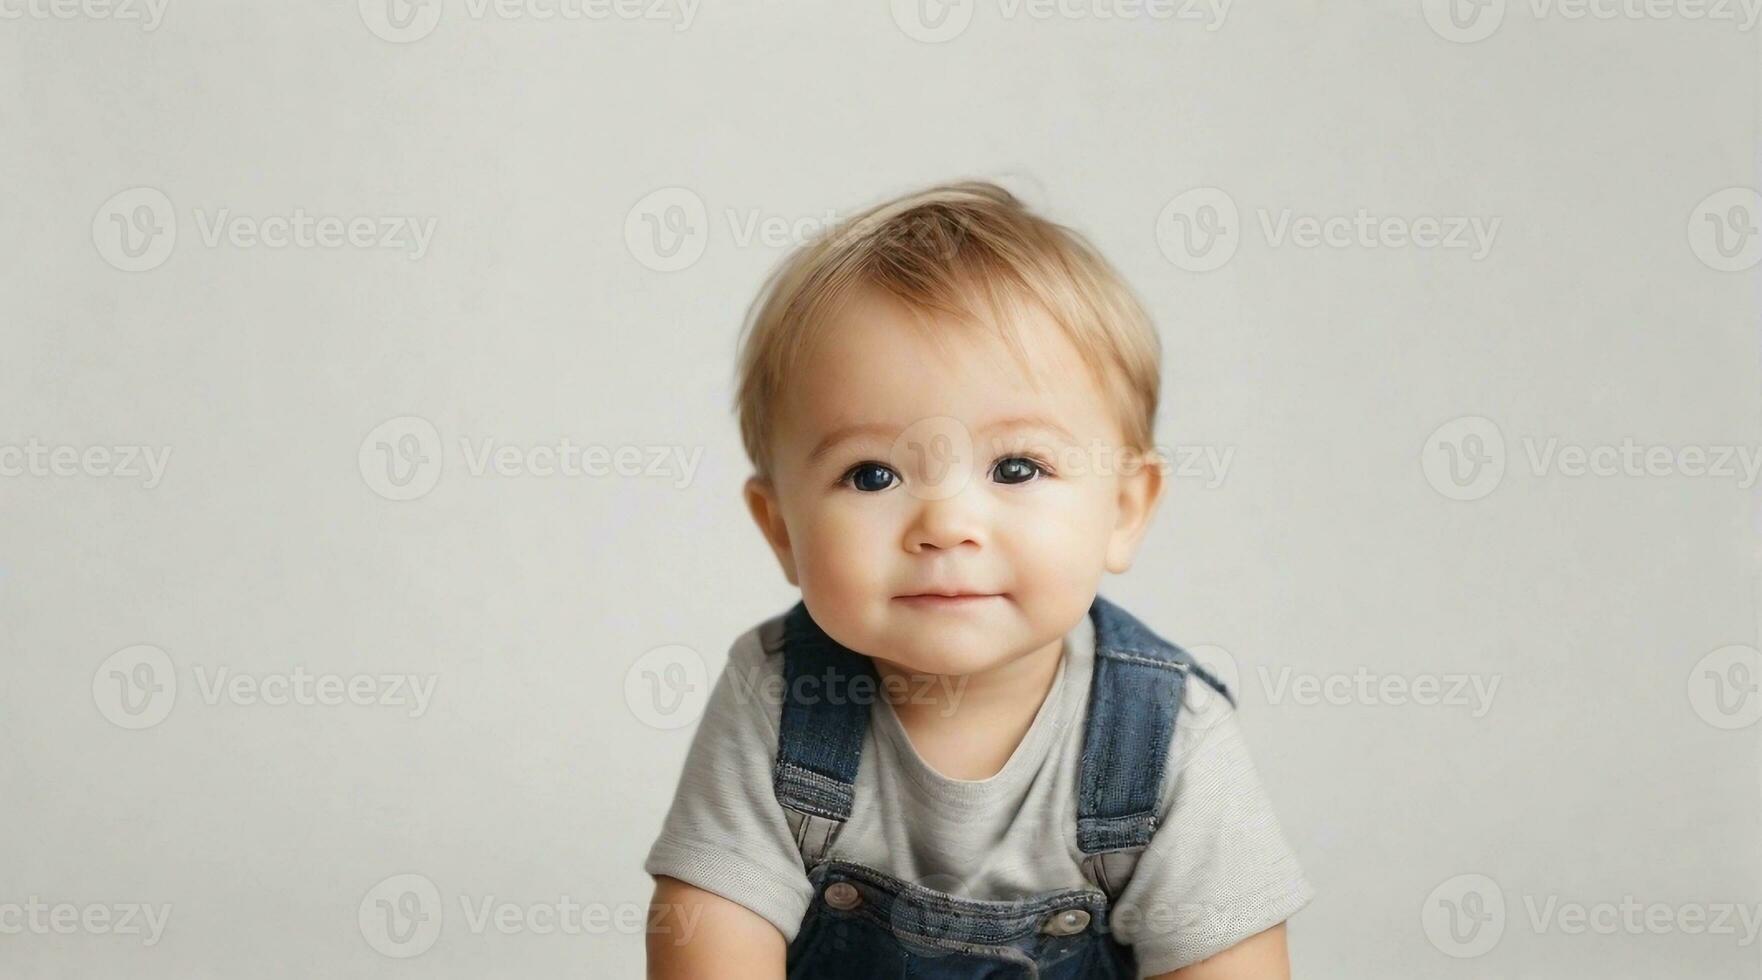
{"x":967,"y":726}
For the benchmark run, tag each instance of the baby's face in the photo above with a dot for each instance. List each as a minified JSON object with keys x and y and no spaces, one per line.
{"x":904,"y":467}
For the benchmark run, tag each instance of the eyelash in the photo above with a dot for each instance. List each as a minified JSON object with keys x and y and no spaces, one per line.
{"x":1044,"y":468}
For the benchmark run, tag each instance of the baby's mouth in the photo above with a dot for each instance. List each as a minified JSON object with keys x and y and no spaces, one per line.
{"x":937,"y":600}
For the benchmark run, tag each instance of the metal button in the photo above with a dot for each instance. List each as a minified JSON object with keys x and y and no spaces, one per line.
{"x":843,"y":895}
{"x":1067,"y":923}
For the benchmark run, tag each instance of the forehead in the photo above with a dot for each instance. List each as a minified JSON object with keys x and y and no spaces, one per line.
{"x":875,"y":362}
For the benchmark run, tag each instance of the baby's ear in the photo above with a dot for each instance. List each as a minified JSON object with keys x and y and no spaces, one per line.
{"x":1141,"y":486}
{"x":761,"y":500}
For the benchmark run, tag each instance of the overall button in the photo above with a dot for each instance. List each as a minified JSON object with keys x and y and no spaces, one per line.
{"x":1067,"y":923}
{"x":843,"y":895}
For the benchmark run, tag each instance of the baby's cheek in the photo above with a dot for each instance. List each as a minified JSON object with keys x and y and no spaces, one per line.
{"x":841,"y":561}
{"x":1058,"y":557}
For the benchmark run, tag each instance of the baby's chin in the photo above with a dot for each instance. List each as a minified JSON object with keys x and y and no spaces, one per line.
{"x":945,"y":649}
{"x":947,"y":664}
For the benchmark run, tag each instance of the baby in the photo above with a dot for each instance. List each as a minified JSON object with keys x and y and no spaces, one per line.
{"x":952,"y":757}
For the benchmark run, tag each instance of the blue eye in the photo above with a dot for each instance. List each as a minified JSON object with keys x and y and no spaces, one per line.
{"x":1017,"y":469}
{"x":869,"y":477}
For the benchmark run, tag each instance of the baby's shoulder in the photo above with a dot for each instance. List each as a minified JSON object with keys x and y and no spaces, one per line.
{"x":759,"y":642}
{"x":748,"y":695}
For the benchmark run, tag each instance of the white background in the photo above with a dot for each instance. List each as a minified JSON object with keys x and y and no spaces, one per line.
{"x":1598,"y":772}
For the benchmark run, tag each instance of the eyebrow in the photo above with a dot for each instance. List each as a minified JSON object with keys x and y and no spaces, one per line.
{"x":844,"y":433}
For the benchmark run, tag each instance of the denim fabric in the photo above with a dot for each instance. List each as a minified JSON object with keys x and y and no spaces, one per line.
{"x":821,"y":729}
{"x":1133,"y":704}
{"x":895,"y":928}
{"x":899,"y":929}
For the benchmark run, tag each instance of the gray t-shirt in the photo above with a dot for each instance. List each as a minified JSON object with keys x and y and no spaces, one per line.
{"x":1218,"y":870}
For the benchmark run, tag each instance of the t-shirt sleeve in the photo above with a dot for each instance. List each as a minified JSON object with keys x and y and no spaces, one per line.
{"x":1219,"y":869}
{"x":725,"y":832}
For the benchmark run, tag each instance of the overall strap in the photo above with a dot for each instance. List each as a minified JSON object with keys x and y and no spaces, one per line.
{"x":1134,"y":701}
{"x":820,"y":729}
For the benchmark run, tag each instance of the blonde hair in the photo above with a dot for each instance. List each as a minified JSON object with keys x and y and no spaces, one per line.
{"x":958,"y":249}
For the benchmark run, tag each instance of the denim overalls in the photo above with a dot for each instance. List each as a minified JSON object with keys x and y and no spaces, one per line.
{"x":865,"y":923}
